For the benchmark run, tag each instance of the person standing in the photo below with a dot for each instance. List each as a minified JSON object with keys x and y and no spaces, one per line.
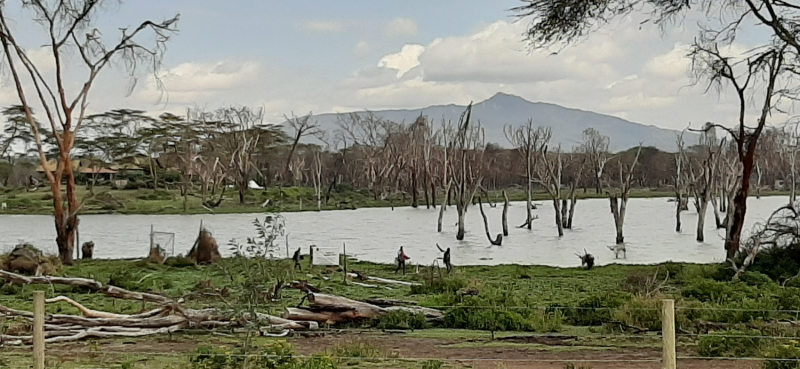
{"x":401,"y":260}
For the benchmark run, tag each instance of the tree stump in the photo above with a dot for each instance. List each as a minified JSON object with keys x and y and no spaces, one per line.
{"x":87,"y":249}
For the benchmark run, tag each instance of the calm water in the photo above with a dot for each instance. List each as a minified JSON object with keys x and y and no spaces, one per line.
{"x":375,"y":234}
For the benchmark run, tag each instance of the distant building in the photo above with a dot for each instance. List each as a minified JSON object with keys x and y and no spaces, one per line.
{"x":84,"y":168}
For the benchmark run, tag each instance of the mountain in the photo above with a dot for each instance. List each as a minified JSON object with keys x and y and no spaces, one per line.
{"x":567,"y":124}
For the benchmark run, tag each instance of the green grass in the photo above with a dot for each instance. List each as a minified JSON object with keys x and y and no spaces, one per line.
{"x":289,"y":199}
{"x":606,"y":293}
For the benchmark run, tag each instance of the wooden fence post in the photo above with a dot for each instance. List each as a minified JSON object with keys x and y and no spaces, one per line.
{"x":668,"y":334}
{"x":38,"y":330}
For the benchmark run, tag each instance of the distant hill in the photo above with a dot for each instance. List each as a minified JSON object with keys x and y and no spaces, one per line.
{"x":567,"y":124}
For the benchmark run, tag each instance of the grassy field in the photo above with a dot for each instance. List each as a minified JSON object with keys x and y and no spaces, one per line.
{"x":148,"y":201}
{"x":612,"y":309}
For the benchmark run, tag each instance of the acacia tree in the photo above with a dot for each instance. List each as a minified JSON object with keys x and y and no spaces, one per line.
{"x":69,"y":30}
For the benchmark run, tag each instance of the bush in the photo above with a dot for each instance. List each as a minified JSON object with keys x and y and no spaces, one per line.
{"x":141,"y":282}
{"x":755,"y":279}
{"x":434,"y":286}
{"x":277,"y":354}
{"x":640,"y":312}
{"x":400,"y":319}
{"x":179,"y":261}
{"x":787,"y":355}
{"x":596,"y":309}
{"x":731,"y":343}
{"x":433,"y":364}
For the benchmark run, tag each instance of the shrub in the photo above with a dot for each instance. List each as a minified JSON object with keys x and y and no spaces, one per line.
{"x":596,"y":309}
{"x":756,"y":279}
{"x":277,"y":354}
{"x":786,"y":356}
{"x":435,"y":285}
{"x":179,"y":261}
{"x":433,"y":364}
{"x":400,"y":319}
{"x":640,"y":312}
{"x":731,"y":343}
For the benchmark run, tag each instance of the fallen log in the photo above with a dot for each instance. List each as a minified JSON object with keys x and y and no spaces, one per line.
{"x":89,"y":313}
{"x":331,"y":309}
{"x":382,"y":280}
{"x":389,"y":302}
{"x":108,"y":290}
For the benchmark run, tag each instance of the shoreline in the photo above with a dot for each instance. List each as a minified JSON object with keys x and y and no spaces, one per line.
{"x":139,"y":202}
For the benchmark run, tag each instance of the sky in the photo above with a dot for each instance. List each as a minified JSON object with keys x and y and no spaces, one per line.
{"x":296,"y":57}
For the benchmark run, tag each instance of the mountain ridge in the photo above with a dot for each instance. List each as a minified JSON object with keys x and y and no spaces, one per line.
{"x":502,"y":109}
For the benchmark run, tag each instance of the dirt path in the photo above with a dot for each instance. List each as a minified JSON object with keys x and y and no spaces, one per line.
{"x":480,"y":355}
{"x":456,"y":352}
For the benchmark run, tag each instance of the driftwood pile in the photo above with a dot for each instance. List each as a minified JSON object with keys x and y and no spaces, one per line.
{"x":170,"y":316}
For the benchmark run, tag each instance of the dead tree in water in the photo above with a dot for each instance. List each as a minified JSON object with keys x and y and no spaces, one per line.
{"x":595,"y":147}
{"x":619,"y":201}
{"x":703,"y":184}
{"x":680,"y":182}
{"x":549,"y":175}
{"x":498,"y":241}
{"x":528,"y":141}
{"x":568,"y":210}
{"x":505,"y":213}
{"x":466,"y":173}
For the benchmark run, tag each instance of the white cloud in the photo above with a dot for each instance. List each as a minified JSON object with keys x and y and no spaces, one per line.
{"x":402,"y":27}
{"x":674,"y":64}
{"x":322,"y":26}
{"x":189,"y":82}
{"x":405,"y":60}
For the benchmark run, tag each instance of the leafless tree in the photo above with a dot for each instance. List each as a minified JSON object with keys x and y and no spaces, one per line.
{"x":465,"y":173}
{"x":619,"y":200}
{"x":528,"y":141}
{"x":301,"y":127}
{"x":549,"y":174}
{"x":69,"y":30}
{"x":681,"y":179}
{"x":595,"y":147}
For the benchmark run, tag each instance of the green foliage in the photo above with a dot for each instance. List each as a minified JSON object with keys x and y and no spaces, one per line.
{"x":779,"y":263}
{"x":433,"y":364}
{"x":755,"y":279}
{"x":400,"y":319}
{"x":277,"y":354}
{"x":641,"y":312}
{"x":732,"y":343}
{"x":434,"y":285}
{"x":141,"y":280}
{"x":355,"y":349}
{"x":179,"y":261}
{"x":785,"y":355}
{"x":596,"y":309}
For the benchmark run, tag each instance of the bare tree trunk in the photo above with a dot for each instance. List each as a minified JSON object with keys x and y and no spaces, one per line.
{"x":564,"y":206}
{"x":414,"y":203}
{"x":442,"y":208}
{"x":528,"y":202}
{"x":433,"y":194}
{"x":497,"y":241}
{"x":573,"y":202}
{"x":716,"y":206}
{"x":701,"y":220}
{"x":461,"y":212}
{"x":678,"y":209}
{"x":618,"y":209}
{"x":505,"y":214}
{"x":559,"y":223}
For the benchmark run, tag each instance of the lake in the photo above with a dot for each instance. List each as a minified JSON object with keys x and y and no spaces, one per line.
{"x":375,"y":234}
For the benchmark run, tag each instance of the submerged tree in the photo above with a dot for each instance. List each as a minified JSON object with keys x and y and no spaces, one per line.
{"x":69,"y":29}
{"x":757,"y":77}
{"x":528,"y":141}
{"x":619,"y":200}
